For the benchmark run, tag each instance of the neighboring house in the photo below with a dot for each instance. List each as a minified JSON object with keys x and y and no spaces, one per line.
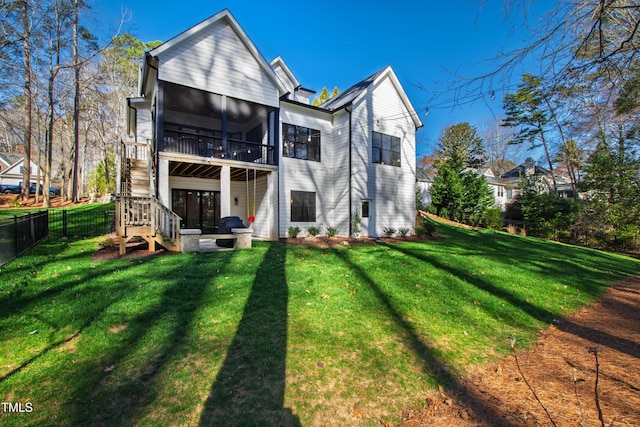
{"x":506,"y":187}
{"x":497,"y":186}
{"x":543,"y":181}
{"x":219,"y":131}
{"x":424,"y":181}
{"x":11,"y":168}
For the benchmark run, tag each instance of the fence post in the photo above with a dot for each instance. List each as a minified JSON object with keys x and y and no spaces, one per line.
{"x":64,"y":223}
{"x":15,"y":233}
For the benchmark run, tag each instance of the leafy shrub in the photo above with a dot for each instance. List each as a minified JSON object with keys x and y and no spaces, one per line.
{"x":493,"y":218}
{"x":293,"y":232}
{"x":429,"y":228}
{"x":332,"y":232}
{"x":356,"y":220}
{"x":426,"y":229}
{"x":403,"y":232}
{"x":388,"y":231}
{"x":444,"y":213}
{"x":313,"y":230}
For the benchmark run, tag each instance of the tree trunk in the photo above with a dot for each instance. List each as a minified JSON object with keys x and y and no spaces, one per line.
{"x":76,"y":102}
{"x":28,"y":99}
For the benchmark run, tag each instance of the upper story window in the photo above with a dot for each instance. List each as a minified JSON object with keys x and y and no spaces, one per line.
{"x":300,"y":142}
{"x":386,"y":149}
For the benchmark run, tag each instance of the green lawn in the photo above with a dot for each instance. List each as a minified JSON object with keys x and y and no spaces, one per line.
{"x":276,"y":335}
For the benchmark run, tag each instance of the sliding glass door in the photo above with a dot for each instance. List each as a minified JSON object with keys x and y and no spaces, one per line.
{"x":198,"y":209}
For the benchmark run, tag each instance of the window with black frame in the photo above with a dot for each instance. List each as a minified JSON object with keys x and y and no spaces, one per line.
{"x":303,"y":206}
{"x":300,"y":142}
{"x":386,"y":149}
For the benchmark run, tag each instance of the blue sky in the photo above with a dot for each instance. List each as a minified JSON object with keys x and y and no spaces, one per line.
{"x":338,"y":43}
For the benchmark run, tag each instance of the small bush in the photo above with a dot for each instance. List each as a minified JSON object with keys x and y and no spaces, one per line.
{"x":429,"y":227}
{"x":404,"y":232}
{"x":293,"y":232}
{"x":313,"y":230}
{"x":356,"y":221}
{"x":332,"y":232}
{"x":493,"y":218}
{"x":16,"y":203}
{"x":388,"y":231}
{"x":512,"y":229}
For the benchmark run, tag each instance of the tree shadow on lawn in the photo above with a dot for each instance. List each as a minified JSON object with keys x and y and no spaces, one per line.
{"x":541,"y":314}
{"x":98,"y":398}
{"x":250,"y":387}
{"x":433,"y":366}
{"x":540,"y":256}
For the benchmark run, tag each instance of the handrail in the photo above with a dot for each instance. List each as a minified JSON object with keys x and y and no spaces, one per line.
{"x":213,"y":146}
{"x":148,"y":212}
{"x":165,"y":221}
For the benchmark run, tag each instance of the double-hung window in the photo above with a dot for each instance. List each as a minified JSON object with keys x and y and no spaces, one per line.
{"x":386,"y":149}
{"x":300,"y":142}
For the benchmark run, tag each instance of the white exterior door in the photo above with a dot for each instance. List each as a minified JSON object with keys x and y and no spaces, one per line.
{"x":366,"y":214}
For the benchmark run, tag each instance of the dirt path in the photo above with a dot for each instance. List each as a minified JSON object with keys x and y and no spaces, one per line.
{"x":562,"y":370}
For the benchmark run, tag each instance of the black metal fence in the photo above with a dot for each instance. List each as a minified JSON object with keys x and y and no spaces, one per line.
{"x":64,"y":223}
{"x":19,"y":233}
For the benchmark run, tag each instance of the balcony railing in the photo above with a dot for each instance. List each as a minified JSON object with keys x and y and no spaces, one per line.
{"x":212,"y":146}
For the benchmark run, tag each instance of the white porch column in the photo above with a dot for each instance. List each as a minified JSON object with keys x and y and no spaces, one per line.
{"x":225,"y":191}
{"x":163,"y":179}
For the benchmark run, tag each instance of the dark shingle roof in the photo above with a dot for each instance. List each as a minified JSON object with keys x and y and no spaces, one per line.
{"x":519,"y":171}
{"x":350,"y":94}
{"x":11,"y":158}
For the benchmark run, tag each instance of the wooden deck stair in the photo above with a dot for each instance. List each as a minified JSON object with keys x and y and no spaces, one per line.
{"x":138,"y":212}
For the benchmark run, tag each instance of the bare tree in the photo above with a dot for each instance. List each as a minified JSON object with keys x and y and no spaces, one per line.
{"x":501,"y":156}
{"x":573,"y":41}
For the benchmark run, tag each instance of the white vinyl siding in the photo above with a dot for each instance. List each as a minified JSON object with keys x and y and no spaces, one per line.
{"x":216,"y":60}
{"x":321,"y":177}
{"x":144,"y":125}
{"x":390,"y":189}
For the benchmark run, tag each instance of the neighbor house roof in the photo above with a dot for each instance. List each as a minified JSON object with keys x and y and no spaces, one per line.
{"x":421,"y":175}
{"x":520,"y":170}
{"x":10,"y":158}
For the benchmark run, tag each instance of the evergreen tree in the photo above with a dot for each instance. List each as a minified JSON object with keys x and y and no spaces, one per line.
{"x":458,"y":191}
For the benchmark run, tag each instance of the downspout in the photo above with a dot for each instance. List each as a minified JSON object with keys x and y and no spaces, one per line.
{"x":349,"y":109}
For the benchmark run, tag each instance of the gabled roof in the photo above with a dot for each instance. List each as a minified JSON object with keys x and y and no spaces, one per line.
{"x":10,"y":158}
{"x":194,"y":31}
{"x":354,"y":92}
{"x":421,"y":175}
{"x":279,"y":62}
{"x":521,"y":170}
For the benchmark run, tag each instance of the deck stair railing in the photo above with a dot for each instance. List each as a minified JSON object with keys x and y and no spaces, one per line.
{"x":138,"y":211}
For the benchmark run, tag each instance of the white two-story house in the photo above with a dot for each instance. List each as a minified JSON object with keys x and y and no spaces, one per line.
{"x":218,"y":131}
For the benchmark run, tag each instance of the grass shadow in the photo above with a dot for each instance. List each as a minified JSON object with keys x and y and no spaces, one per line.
{"x":107,"y":391}
{"x":250,"y":386}
{"x":432,"y":365}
